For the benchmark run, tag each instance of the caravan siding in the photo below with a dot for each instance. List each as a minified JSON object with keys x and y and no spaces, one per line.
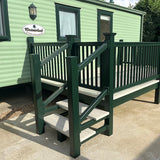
{"x":14,"y":59}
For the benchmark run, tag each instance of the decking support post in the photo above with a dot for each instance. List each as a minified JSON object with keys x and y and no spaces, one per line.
{"x":109,"y":39}
{"x":30,"y":40}
{"x":70,"y":41}
{"x":37,"y":92}
{"x":73,"y":104}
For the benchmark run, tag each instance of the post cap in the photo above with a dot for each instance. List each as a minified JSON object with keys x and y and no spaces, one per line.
{"x":109,"y":35}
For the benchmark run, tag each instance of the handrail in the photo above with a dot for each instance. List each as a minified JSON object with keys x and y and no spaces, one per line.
{"x":95,"y":54}
{"x":123,"y":44}
{"x":54,"y":95}
{"x":47,"y":59}
{"x":93,"y":105}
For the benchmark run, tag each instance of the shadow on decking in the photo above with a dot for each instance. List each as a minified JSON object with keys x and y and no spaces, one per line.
{"x":24,"y":126}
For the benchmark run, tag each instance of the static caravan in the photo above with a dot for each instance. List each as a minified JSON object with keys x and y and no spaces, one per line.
{"x":87,"y":19}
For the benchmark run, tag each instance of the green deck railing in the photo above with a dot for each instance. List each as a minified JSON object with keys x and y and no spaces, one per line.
{"x":89,"y":75}
{"x":55,"y":68}
{"x":108,"y":67}
{"x":135,"y":63}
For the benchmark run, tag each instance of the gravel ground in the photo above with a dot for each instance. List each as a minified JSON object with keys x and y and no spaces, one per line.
{"x":16,"y":111}
{"x":17,"y":100}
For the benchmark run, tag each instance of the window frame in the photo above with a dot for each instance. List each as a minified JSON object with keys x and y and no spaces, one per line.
{"x":5,"y":22}
{"x":106,"y":13}
{"x":60,"y":7}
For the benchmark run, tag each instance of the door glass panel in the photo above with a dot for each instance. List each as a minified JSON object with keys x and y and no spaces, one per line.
{"x":104,"y":25}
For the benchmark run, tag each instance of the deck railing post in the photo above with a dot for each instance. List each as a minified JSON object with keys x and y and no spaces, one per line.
{"x":157,"y":90}
{"x":37,"y":92}
{"x":110,"y":58}
{"x":73,"y":104}
{"x":30,"y":40}
{"x":70,"y":41}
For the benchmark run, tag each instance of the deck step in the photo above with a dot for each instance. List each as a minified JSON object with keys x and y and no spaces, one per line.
{"x":96,"y":114}
{"x":85,"y":91}
{"x":61,"y":124}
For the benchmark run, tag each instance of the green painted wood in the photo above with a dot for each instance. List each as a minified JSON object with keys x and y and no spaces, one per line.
{"x":98,"y":131}
{"x":5,"y":22}
{"x":73,"y":104}
{"x":93,"y":105}
{"x":126,"y":98}
{"x":109,"y":39}
{"x":92,"y":56}
{"x":91,"y":123}
{"x":53,"y":55}
{"x":37,"y":93}
{"x":50,"y":109}
{"x":54,"y":95}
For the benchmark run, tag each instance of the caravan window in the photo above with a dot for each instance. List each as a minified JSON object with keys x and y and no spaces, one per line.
{"x":4,"y":22}
{"x":68,"y":21}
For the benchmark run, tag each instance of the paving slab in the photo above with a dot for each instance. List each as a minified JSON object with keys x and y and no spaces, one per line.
{"x":136,"y":137}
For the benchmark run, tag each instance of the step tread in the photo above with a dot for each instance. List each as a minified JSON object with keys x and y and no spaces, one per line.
{"x":61,"y":124}
{"x":96,"y":114}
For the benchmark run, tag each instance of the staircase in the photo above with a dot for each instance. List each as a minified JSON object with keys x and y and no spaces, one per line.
{"x":78,"y":119}
{"x":61,"y":123}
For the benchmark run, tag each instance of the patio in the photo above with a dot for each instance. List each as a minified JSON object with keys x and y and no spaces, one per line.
{"x":135,"y":136}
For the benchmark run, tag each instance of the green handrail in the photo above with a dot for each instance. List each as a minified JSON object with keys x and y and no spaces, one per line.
{"x":95,"y":54}
{"x":46,"y":60}
{"x":93,"y":104}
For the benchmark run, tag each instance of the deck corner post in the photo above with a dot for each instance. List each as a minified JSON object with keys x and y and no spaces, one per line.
{"x":157,"y":90}
{"x":30,"y":40}
{"x":109,"y":39}
{"x":70,"y":41}
{"x":73,"y":105}
{"x":37,"y":92}
{"x":157,"y":94}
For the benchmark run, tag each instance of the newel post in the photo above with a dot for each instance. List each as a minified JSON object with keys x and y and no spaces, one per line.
{"x":73,"y":104}
{"x":30,"y":40}
{"x":157,"y":90}
{"x":70,"y":41}
{"x":36,"y":86}
{"x":110,"y":71}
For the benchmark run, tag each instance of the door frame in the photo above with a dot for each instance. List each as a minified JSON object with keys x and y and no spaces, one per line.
{"x":106,"y":13}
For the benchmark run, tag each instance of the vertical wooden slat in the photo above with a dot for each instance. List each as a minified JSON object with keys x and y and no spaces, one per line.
{"x":96,"y":72}
{"x":134,"y":71}
{"x":122,"y":59}
{"x":61,"y":67}
{"x":52,"y":64}
{"x":125,"y":61}
{"x":131,"y":72}
{"x":55,"y":65}
{"x":140,"y":65}
{"x":118,"y":64}
{"x":91,"y":50}
{"x":87,"y":66}
{"x":128,"y":72}
{"x":83,"y":57}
